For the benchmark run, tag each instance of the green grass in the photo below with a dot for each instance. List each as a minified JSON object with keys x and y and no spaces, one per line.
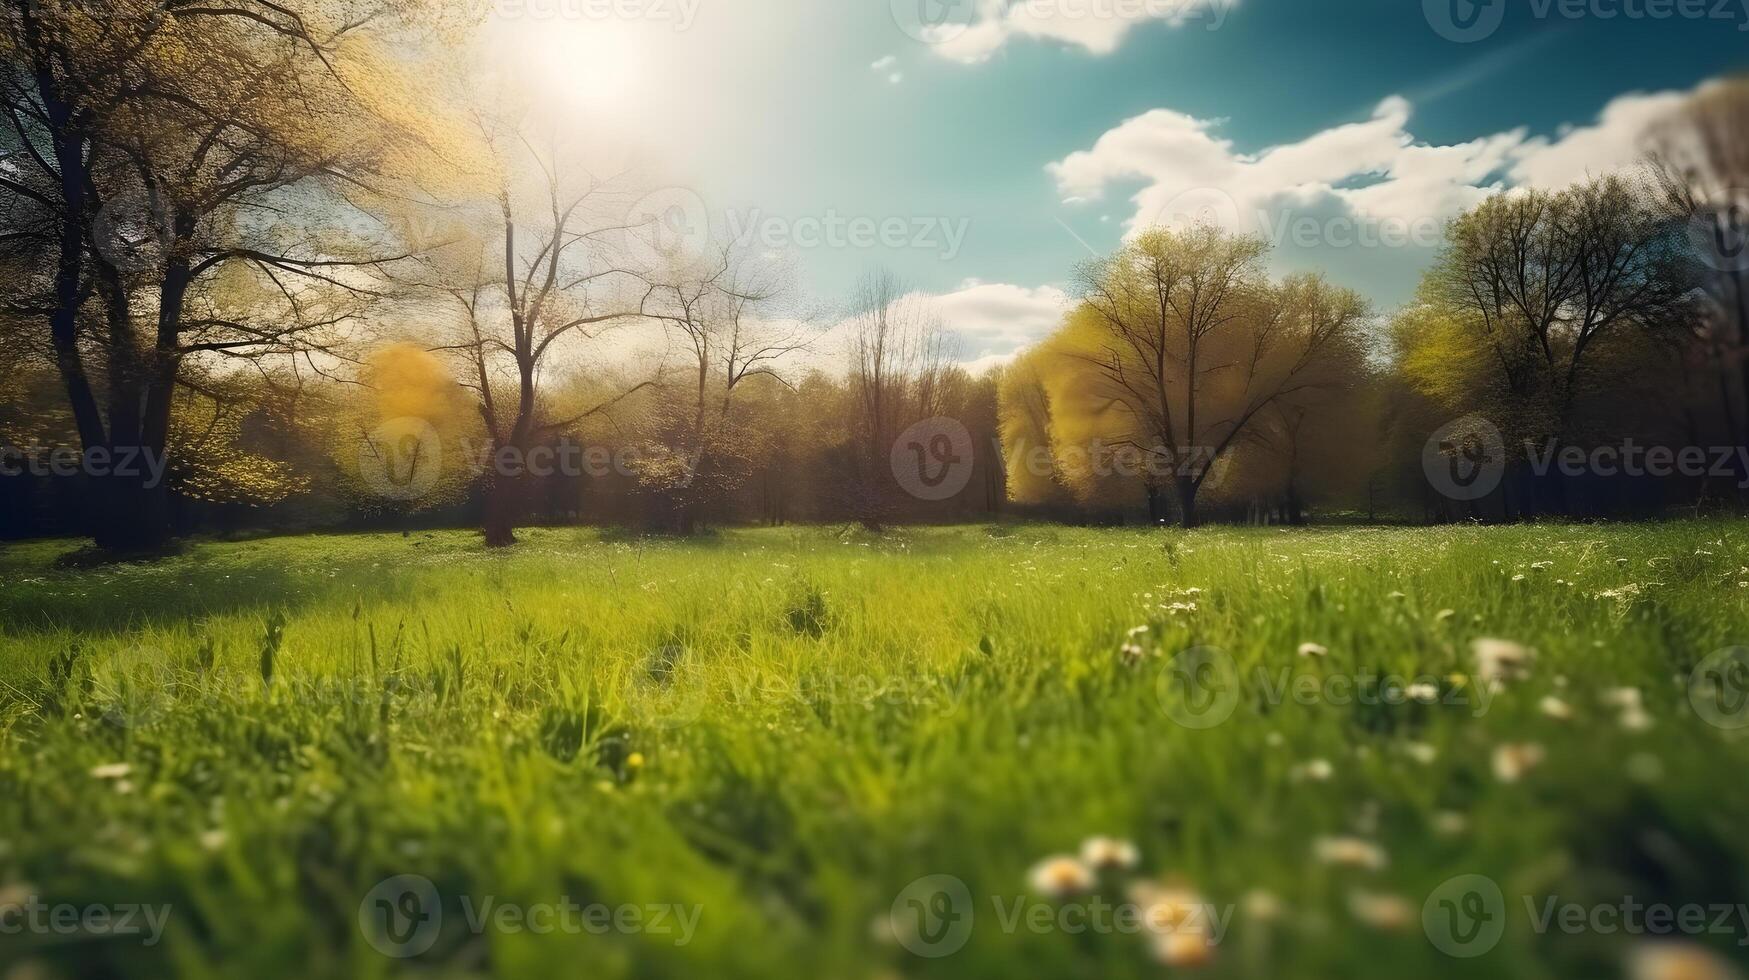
{"x":821,"y":720}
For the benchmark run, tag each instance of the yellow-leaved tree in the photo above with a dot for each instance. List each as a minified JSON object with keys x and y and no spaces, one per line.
{"x":1180,"y":353}
{"x":410,"y":439}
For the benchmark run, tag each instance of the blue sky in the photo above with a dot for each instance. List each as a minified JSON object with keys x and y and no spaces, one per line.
{"x":1033,"y":126}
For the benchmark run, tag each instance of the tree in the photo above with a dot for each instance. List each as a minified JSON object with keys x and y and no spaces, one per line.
{"x":1024,"y":427}
{"x":722,"y":312}
{"x":402,"y":440}
{"x":194,"y":170}
{"x":557,"y":276}
{"x":1701,"y":160}
{"x":1319,"y":446}
{"x":1535,"y":301}
{"x":899,"y":361}
{"x":1179,"y":345}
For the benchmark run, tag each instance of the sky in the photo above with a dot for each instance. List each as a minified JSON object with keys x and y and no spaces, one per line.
{"x":981,"y":149}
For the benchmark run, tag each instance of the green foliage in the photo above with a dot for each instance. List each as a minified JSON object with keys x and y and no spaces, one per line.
{"x":785,"y":729}
{"x":808,"y":614}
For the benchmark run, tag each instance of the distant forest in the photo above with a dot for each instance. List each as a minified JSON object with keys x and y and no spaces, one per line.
{"x":256,"y":276}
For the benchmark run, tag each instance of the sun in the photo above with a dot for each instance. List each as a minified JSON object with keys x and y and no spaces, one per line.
{"x":595,"y":67}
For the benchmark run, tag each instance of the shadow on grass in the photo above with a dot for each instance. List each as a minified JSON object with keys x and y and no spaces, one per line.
{"x":80,"y":590}
{"x":91,"y":556}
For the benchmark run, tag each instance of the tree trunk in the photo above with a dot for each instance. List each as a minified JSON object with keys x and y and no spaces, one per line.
{"x":137,"y":516}
{"x":1186,"y":501}
{"x":1740,"y":284}
{"x":124,"y":520}
{"x":69,"y":152}
{"x":503,"y":509}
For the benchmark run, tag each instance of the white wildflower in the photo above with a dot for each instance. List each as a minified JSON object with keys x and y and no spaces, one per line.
{"x":1391,"y":913}
{"x":1501,"y":661}
{"x":1421,"y":752}
{"x":1513,"y":760}
{"x":1350,"y":852}
{"x":1684,"y":960}
{"x":1060,"y":876}
{"x":1108,"y":853}
{"x":1261,"y":905}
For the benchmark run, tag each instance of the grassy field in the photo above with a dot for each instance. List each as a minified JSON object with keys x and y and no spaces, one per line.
{"x":738,"y":755}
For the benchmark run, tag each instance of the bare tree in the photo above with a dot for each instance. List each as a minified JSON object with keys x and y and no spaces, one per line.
{"x":722,"y":309}
{"x":900,"y":357}
{"x":556,"y":279}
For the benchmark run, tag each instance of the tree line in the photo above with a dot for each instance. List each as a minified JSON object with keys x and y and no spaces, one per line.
{"x":280,"y":265}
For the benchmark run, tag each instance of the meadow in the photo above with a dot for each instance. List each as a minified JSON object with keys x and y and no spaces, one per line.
{"x":812,"y":752}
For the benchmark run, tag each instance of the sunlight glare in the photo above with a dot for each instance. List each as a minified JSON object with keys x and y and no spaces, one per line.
{"x":595,"y":68}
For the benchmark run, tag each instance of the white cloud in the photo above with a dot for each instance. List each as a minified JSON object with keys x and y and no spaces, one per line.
{"x":1614,"y":142}
{"x":988,"y":322}
{"x":1373,"y":171}
{"x":997,"y":319}
{"x":983,"y":364}
{"x":1097,"y":26}
{"x":888,"y":65}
